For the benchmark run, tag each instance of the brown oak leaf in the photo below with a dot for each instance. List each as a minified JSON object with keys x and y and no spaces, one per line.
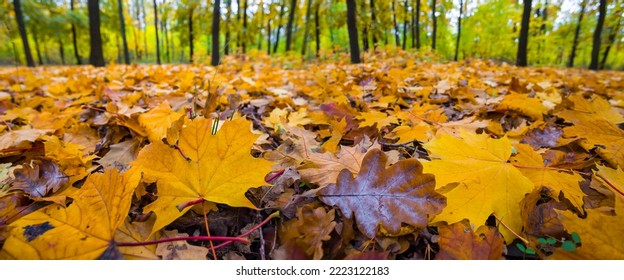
{"x":39,"y":178}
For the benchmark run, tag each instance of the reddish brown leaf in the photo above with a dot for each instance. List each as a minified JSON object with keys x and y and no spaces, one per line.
{"x":386,"y":197}
{"x":39,"y":178}
{"x":459,"y":242}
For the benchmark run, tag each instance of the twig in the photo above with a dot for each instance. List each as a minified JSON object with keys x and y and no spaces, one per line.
{"x":227,"y":240}
{"x":508,"y":228}
{"x":214,"y":254}
{"x":274,"y":215}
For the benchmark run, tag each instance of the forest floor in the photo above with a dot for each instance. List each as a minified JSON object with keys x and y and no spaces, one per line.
{"x":396,"y":158}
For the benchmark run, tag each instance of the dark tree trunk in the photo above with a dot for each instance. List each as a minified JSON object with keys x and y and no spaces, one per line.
{"x":238,"y":17}
{"x":461,"y":10}
{"x":291,"y":21}
{"x":405,"y":25}
{"x":216,"y":18}
{"x":364,"y":27}
{"x":269,"y":37}
{"x":61,"y":51}
{"x":602,"y":9}
{"x":122,"y":26}
{"x":576,"y":34}
{"x":191,"y":36}
{"x":260,"y":26}
{"x":244,"y":43}
{"x":396,"y":26}
{"x":435,"y":25}
{"x":37,"y":48}
{"x":156,"y":29}
{"x":317,"y":29}
{"x":279,"y":26}
{"x":144,"y":30}
{"x":137,"y":31}
{"x":21,"y":25}
{"x":166,"y":33}
{"x":353,"y":35}
{"x":521,"y":58}
{"x":304,"y":44}
{"x":74,"y":39}
{"x":374,"y":24}
{"x":226,"y":44}
{"x":96,"y":57}
{"x":611,"y":40}
{"x":418,"y":24}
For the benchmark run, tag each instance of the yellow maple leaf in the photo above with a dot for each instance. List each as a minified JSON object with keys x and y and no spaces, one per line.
{"x":158,"y":120}
{"x":218,"y":168}
{"x":487,"y":183}
{"x":532,"y":165}
{"x":606,"y":137}
{"x":531,"y":107}
{"x":380,"y":118}
{"x":589,"y":110}
{"x":83,"y":230}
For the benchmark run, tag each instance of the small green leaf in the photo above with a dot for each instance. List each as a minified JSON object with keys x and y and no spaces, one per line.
{"x":576,"y":238}
{"x":541,"y":240}
{"x":530,"y":251}
{"x":521,"y":247}
{"x":568,"y":246}
{"x":551,"y":240}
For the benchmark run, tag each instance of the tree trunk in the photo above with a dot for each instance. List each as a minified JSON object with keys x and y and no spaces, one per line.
{"x":611,"y":40}
{"x":238,"y":32}
{"x":317,"y":29}
{"x":165,"y":29}
{"x":396,"y":26}
{"x":37,"y":48}
{"x":405,"y":25}
{"x":461,"y":10}
{"x":414,"y":25}
{"x":374,"y":24}
{"x":21,"y":25}
{"x":576,"y":34}
{"x":435,"y":25}
{"x":268,"y":37}
{"x":521,"y":58}
{"x":260,"y":25}
{"x":291,"y":21}
{"x":191,"y":36}
{"x":216,"y":18}
{"x":137,"y":31}
{"x":96,"y":57}
{"x":364,"y":27}
{"x":156,"y":29}
{"x":304,"y":45}
{"x":144,"y":30}
{"x":122,"y":26}
{"x":279,"y":26}
{"x":602,"y":9}
{"x":226,"y":44}
{"x":74,"y":39}
{"x":244,"y":43}
{"x":353,"y":35}
{"x":61,"y":51}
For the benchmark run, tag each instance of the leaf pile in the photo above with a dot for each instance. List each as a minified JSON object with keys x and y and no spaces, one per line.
{"x":395,"y":159}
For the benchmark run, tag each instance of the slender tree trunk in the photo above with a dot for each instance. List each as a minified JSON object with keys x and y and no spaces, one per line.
{"x":374,"y":24}
{"x":268,"y":37}
{"x":291,"y":21}
{"x":165,"y":28}
{"x":521,"y":58}
{"x":611,"y":40}
{"x":37,"y":48}
{"x":417,"y":27}
{"x":46,"y":56}
{"x":405,"y":25}
{"x":261,"y":11}
{"x":144,"y":30}
{"x":74,"y":39}
{"x":239,"y":37}
{"x":317,"y":29}
{"x":122,"y":26}
{"x":96,"y":57}
{"x":279,"y":26}
{"x":156,"y":29}
{"x":137,"y":13}
{"x":21,"y":25}
{"x":602,"y":9}
{"x":226,"y":44}
{"x":61,"y":51}
{"x":191,"y":36}
{"x":304,"y":45}
{"x":364,"y":27}
{"x":353,"y":34}
{"x":216,"y":18}
{"x":119,"y":51}
{"x":576,"y":34}
{"x":435,"y":25}
{"x":396,"y":26}
{"x":244,"y":43}
{"x":461,"y":10}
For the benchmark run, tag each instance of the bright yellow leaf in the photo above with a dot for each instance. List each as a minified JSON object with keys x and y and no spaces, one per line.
{"x":158,"y":120}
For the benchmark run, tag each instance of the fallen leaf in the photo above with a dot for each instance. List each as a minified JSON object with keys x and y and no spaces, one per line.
{"x":39,"y":178}
{"x":459,"y":242}
{"x":180,"y":250}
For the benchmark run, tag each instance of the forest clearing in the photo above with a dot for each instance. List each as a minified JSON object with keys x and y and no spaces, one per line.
{"x":397,"y":152}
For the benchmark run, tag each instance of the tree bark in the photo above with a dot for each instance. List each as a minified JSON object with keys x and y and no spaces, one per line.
{"x":226,"y":44}
{"x":405,"y":24}
{"x":279,"y":26}
{"x":61,"y":51}
{"x":96,"y":56}
{"x":122,"y":26}
{"x":216,"y":16}
{"x":244,"y":43}
{"x":461,"y":10}
{"x":304,"y":44}
{"x":291,"y":21}
{"x":21,"y":25}
{"x":396,"y":26}
{"x":576,"y":34}
{"x":37,"y":48}
{"x":191,"y":36}
{"x":144,"y":30}
{"x":435,"y":25}
{"x":364,"y":27}
{"x":74,"y":39}
{"x":165,"y":29}
{"x":374,"y":24}
{"x":353,"y":35}
{"x":521,"y":58}
{"x":268,"y":37}
{"x":156,"y":29}
{"x":317,"y":29}
{"x":611,"y":40}
{"x":417,"y":24}
{"x":602,"y":9}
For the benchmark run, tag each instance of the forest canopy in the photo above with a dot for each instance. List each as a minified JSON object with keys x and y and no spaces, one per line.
{"x":182,"y":31}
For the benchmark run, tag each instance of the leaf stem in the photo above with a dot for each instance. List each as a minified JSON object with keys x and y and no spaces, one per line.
{"x":277,"y":174}
{"x":611,"y":184}
{"x":508,"y":228}
{"x":274,"y":215}
{"x":227,"y":240}
{"x":183,"y":205}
